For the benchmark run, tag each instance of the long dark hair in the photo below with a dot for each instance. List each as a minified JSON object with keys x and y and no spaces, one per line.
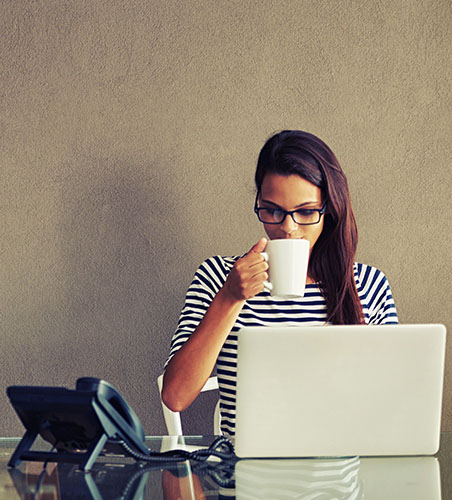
{"x":331,"y":263}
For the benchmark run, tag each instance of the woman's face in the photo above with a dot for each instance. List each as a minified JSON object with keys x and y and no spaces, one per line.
{"x":290,"y":193}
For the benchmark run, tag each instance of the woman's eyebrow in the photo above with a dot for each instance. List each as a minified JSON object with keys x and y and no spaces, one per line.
{"x":298,"y":206}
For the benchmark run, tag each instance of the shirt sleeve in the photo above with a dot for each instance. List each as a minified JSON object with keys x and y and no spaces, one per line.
{"x":384,"y":311}
{"x":207,"y":281}
{"x":376,"y":296}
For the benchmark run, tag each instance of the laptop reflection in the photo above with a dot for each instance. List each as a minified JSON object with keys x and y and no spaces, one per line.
{"x":413,"y":478}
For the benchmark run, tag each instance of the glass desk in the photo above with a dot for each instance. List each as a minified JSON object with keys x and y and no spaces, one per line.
{"x":423,"y":478}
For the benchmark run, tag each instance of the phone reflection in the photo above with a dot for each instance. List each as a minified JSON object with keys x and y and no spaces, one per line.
{"x":180,"y":481}
{"x":67,"y":482}
{"x":35,"y":480}
{"x":122,"y":477}
{"x":391,"y":478}
{"x":401,"y":478}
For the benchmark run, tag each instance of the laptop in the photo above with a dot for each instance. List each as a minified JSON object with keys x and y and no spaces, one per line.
{"x":328,"y":391}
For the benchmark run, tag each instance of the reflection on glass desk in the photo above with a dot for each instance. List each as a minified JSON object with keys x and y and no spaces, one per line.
{"x":347,"y":479}
{"x":353,"y":478}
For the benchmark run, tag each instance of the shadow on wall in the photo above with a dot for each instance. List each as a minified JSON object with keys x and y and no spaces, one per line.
{"x":111,"y":290}
{"x":122,"y":294}
{"x":105,"y":299}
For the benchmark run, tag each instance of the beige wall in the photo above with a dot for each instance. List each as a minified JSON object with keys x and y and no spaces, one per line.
{"x":129,"y":135}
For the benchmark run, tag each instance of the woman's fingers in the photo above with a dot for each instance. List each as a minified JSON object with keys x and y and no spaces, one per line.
{"x":248,"y":274}
{"x":259,"y":246}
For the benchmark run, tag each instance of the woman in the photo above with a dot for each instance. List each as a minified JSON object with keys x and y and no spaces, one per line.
{"x":302,"y":192}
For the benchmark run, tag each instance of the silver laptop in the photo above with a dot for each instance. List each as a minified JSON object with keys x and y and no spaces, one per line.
{"x":327,"y":391}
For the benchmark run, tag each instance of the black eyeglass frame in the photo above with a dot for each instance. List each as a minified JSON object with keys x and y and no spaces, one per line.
{"x":257,"y":209}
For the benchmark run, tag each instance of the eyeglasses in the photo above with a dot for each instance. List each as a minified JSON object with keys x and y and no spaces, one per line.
{"x":302,"y":216}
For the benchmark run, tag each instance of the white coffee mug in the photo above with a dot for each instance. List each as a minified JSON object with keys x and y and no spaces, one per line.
{"x":288,"y":267}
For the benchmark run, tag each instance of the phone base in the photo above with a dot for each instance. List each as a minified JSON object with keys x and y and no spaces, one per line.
{"x":85,"y":459}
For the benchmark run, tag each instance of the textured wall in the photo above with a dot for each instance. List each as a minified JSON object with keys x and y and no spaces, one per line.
{"x":129,"y":135}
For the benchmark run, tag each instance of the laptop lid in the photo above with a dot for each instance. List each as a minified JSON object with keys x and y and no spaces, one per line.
{"x":339,"y":390}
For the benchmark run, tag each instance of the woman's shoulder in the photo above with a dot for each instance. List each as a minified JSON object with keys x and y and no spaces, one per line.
{"x":223,"y":260}
{"x":211,"y":274}
{"x":218,"y":263}
{"x":368,"y":277}
{"x":375,"y":295}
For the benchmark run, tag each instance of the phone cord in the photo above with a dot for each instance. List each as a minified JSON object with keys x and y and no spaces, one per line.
{"x":221,"y":448}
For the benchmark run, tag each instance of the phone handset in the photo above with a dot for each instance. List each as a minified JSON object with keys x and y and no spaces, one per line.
{"x":116,"y":409}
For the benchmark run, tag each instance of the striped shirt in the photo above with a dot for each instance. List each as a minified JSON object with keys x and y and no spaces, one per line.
{"x":265,"y":310}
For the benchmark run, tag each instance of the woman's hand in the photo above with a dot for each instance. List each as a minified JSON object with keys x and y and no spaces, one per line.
{"x":246,"y":278}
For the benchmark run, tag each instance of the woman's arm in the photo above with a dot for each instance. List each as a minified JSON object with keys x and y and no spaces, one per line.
{"x":192,"y":364}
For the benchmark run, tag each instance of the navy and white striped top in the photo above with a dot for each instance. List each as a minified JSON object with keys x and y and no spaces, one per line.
{"x":263,"y":309}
